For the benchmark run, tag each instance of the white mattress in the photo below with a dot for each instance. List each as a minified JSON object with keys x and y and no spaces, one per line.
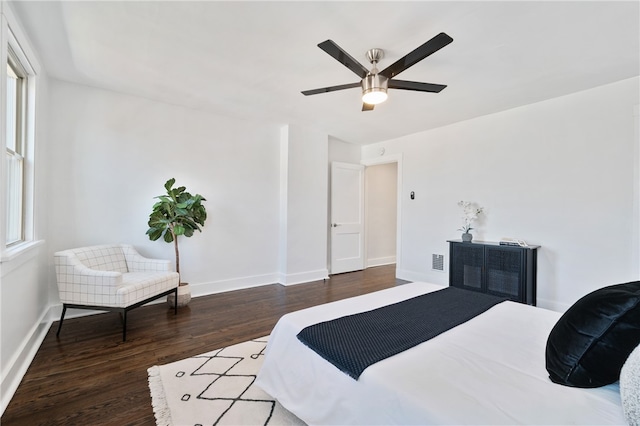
{"x":489,"y":370}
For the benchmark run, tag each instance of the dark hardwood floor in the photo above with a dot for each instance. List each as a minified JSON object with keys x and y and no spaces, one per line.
{"x":88,"y":376}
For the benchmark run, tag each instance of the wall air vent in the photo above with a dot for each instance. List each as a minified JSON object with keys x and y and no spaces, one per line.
{"x":437,"y":262}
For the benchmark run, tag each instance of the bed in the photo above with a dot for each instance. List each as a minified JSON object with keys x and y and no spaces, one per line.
{"x":489,"y":370}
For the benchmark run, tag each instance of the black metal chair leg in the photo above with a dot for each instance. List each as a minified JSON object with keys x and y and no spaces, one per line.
{"x":124,"y":326}
{"x":64,"y":309}
{"x":175,"y":303}
{"x":121,"y":311}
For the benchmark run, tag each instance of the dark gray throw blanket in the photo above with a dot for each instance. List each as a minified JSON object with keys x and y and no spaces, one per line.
{"x":354,"y":342}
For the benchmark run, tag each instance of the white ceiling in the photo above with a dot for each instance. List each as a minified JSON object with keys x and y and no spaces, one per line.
{"x":252,"y":59}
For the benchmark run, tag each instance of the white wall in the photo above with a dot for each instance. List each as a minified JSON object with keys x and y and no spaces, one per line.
{"x":24,"y":306}
{"x":558,"y":173}
{"x":113,"y":154}
{"x":381,"y":213}
{"x":343,"y":152}
{"x":303,"y":213}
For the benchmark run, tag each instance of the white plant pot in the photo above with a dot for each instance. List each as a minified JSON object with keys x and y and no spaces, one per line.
{"x":184,"y":296}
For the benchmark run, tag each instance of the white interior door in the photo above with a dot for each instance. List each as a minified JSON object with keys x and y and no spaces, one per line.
{"x":347,"y":217}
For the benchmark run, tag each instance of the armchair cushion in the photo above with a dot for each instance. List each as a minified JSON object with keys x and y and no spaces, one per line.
{"x":139,"y":286}
{"x":137,"y":263}
{"x":102,"y":258}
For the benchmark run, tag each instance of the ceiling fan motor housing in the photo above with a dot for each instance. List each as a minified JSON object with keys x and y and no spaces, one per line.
{"x":374,"y":83}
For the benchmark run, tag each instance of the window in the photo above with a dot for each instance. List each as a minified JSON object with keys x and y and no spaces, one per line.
{"x":16,"y":113}
{"x":18,"y":78}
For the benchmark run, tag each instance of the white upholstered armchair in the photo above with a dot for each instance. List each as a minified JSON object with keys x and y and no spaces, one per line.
{"x":111,"y":278}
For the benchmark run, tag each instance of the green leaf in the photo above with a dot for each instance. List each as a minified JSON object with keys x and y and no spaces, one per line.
{"x":176,"y":213}
{"x":154,"y":233}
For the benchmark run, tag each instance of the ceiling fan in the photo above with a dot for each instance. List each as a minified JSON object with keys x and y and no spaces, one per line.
{"x":375,"y":83}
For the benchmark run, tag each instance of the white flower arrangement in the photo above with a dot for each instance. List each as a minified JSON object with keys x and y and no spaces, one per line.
{"x":470,"y":213}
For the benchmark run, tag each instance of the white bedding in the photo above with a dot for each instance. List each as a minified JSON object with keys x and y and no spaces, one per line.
{"x":490,"y":370}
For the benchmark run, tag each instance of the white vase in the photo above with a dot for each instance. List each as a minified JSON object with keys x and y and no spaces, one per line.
{"x":184,"y":296}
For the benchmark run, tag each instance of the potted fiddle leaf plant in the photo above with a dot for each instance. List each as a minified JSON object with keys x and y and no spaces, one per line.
{"x":177,"y":213}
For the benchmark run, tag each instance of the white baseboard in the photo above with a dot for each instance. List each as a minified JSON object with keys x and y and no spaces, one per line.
{"x":405,"y":274}
{"x":435,"y":277}
{"x":380,"y":261}
{"x":303,"y":277}
{"x":56,"y":310}
{"x":22,"y":359}
{"x":221,"y":286}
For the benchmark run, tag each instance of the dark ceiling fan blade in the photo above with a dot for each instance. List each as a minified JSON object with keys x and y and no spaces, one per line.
{"x":330,"y":89}
{"x":344,"y":58}
{"x":367,"y":107}
{"x":418,"y":54}
{"x":417,"y":86}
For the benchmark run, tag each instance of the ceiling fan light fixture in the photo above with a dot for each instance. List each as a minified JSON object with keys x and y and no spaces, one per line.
{"x":374,"y":96}
{"x":374,"y":89}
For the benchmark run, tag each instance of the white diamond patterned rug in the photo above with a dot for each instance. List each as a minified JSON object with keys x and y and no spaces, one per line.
{"x":216,"y":388}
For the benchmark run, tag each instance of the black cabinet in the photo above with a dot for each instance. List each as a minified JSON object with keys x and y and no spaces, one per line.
{"x":508,"y":271}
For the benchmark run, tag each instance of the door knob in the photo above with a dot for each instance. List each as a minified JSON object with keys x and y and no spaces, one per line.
{"x":335,"y":224}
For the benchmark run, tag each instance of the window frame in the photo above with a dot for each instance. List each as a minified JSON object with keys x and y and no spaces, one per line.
{"x":18,"y":147}
{"x":13,"y":37}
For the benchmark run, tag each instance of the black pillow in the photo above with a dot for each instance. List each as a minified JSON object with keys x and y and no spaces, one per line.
{"x":591,"y":341}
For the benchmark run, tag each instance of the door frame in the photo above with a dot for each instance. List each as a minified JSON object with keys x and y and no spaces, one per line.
{"x":386,"y":159}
